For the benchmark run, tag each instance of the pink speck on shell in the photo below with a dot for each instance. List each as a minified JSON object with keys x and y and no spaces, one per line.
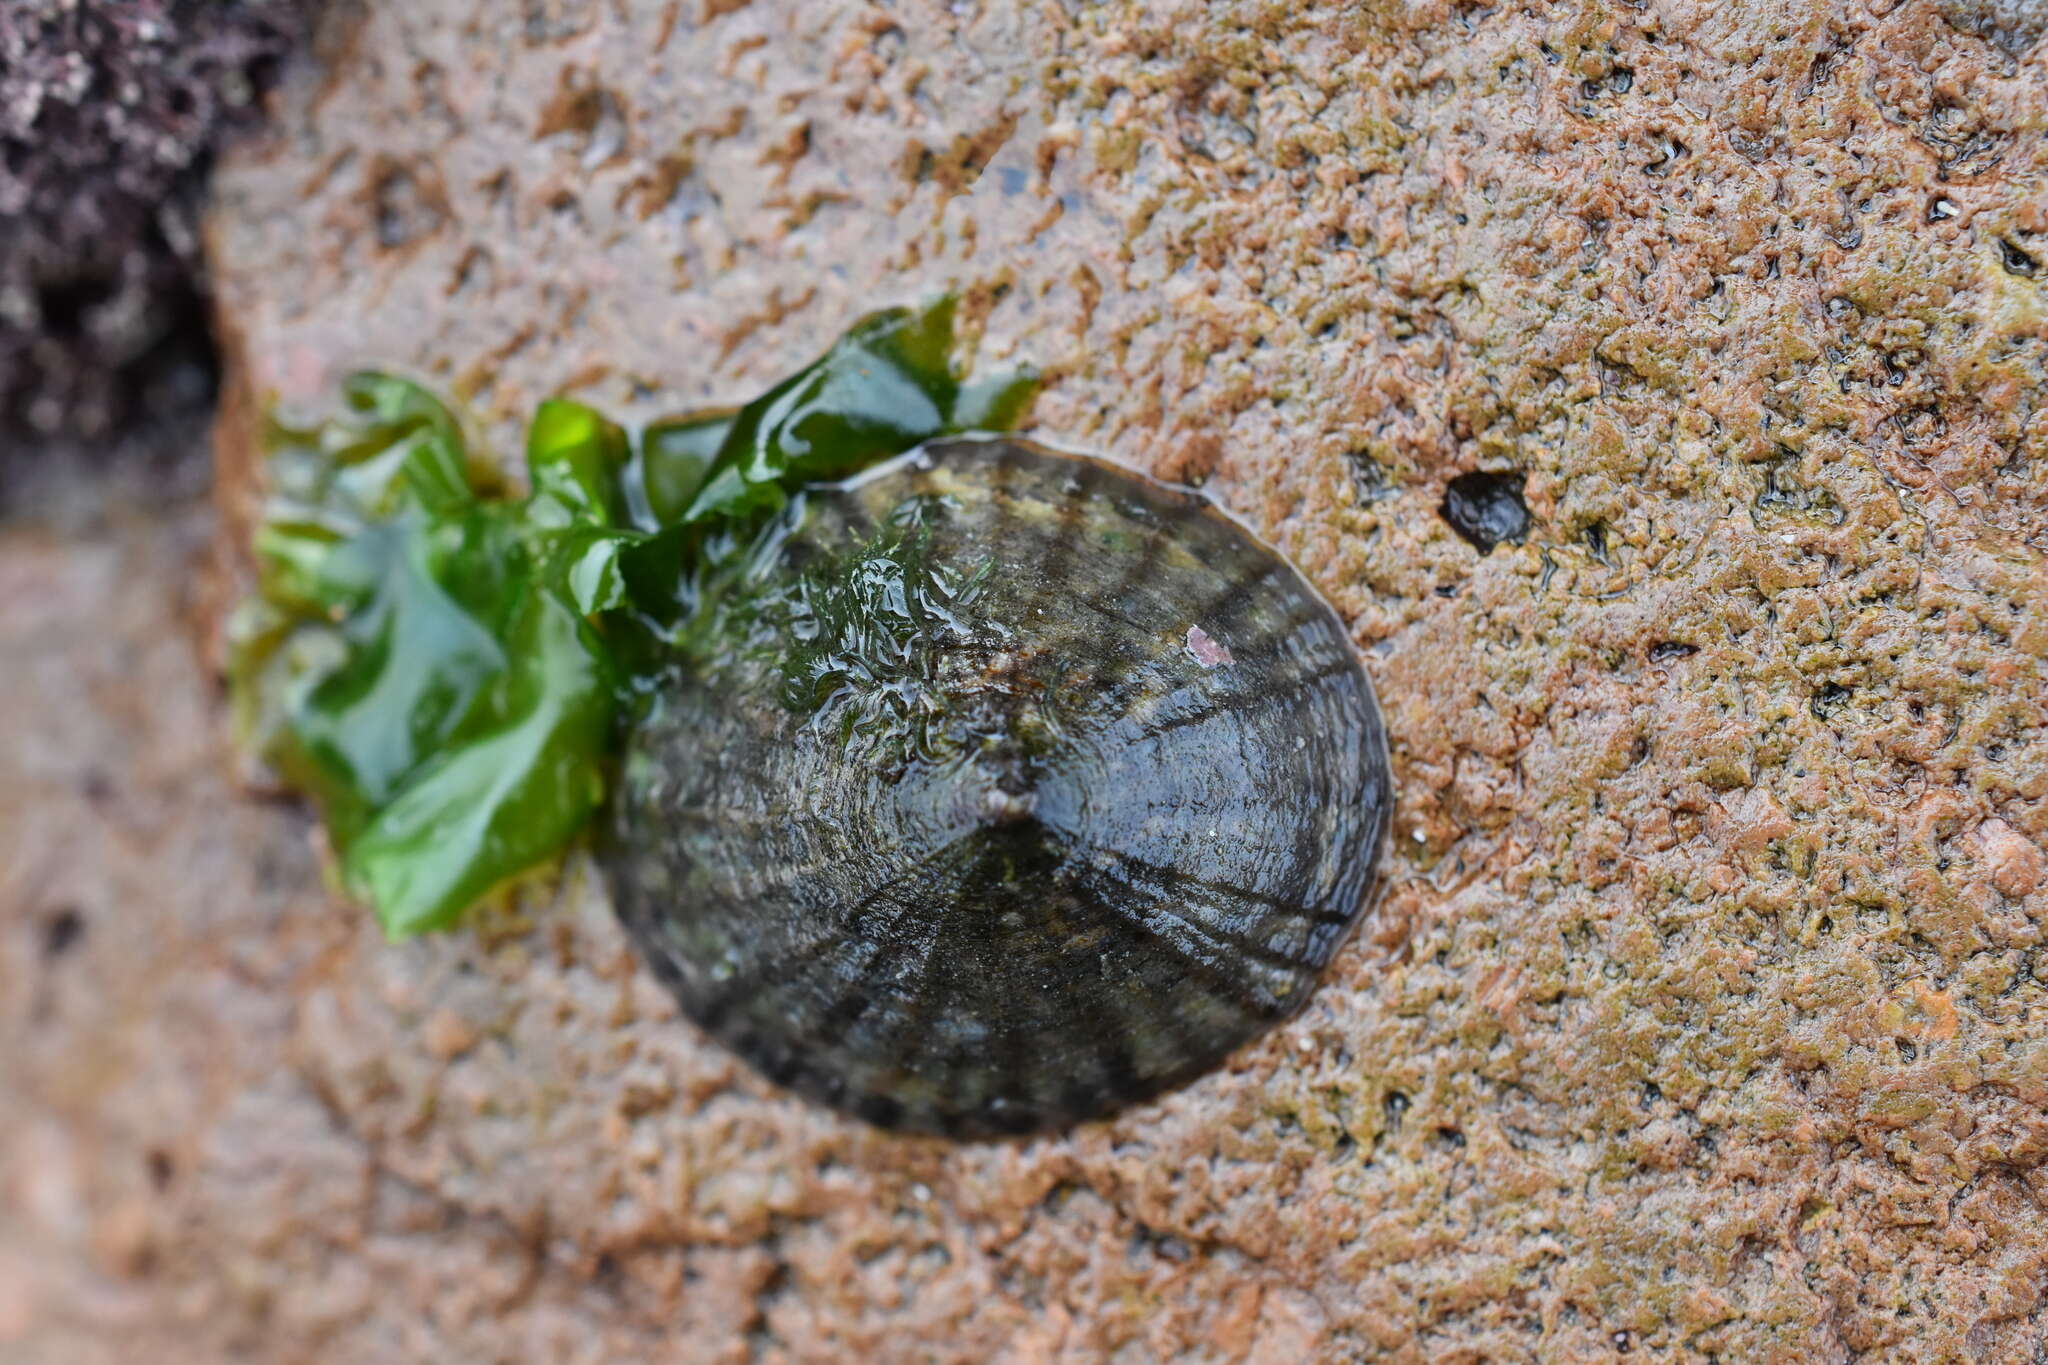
{"x":1208,"y":653}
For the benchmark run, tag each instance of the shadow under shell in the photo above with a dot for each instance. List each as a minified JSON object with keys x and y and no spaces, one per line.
{"x":1010,"y":789}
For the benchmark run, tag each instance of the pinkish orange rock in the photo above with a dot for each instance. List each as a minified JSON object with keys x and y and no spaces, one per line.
{"x":1703,"y":1014}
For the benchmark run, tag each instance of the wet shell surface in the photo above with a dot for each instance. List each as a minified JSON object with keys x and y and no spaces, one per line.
{"x":1003,"y":789}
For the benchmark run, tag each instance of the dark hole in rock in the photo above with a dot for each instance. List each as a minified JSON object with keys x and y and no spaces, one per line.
{"x":1669,"y":150}
{"x":161,"y":1168}
{"x":1487,"y":508}
{"x":1161,"y":1244}
{"x":2018,"y":262}
{"x":67,"y":308}
{"x":1671,"y":649}
{"x":62,"y":932}
{"x":1828,"y":701}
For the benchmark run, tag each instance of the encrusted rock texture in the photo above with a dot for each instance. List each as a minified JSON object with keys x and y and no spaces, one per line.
{"x":1705,"y":1013}
{"x":109,"y":114}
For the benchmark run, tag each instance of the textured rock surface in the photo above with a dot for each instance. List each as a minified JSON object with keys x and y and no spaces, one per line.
{"x":1704,"y":1014}
{"x":109,"y":112}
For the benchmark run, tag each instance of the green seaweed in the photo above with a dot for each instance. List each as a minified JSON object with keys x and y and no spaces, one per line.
{"x":448,"y":670}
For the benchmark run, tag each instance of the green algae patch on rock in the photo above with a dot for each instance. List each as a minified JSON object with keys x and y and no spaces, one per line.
{"x":445,"y":667}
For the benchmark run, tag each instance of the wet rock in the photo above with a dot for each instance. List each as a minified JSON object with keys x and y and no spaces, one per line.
{"x":1702,"y":1015}
{"x":109,"y":114}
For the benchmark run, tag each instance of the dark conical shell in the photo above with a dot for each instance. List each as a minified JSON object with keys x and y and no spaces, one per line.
{"x":1010,"y":788}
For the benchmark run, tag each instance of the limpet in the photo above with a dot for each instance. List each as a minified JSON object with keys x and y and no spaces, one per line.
{"x":999,"y":789}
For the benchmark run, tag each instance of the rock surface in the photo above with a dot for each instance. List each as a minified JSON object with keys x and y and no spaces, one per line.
{"x":109,"y":114}
{"x":1705,"y":1014}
